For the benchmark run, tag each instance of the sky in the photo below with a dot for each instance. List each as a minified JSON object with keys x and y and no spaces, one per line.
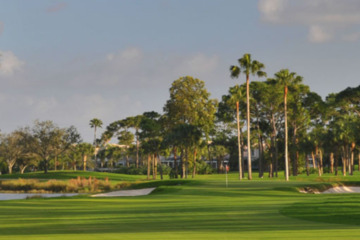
{"x":72,"y":61}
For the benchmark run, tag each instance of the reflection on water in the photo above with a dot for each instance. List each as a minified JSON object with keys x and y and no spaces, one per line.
{"x":12,"y":196}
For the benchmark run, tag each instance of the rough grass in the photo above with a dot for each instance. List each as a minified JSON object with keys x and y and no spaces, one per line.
{"x":78,"y":185}
{"x":66,"y":175}
{"x":198,"y":209}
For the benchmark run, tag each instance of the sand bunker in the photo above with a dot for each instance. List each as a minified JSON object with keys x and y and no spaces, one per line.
{"x":126,"y":193}
{"x":338,"y":189}
{"x":16,"y":196}
{"x":342,"y":189}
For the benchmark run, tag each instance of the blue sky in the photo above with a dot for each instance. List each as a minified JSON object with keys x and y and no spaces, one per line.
{"x":70,"y":61}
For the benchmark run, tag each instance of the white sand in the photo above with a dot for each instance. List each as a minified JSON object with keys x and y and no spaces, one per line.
{"x":14,"y":196}
{"x":338,"y":189}
{"x":342,"y":189}
{"x":126,"y":193}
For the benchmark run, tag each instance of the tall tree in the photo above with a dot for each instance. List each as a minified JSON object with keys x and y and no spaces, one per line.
{"x":286,"y":78}
{"x":12,"y":148}
{"x":95,"y":123}
{"x":151,"y":138}
{"x":85,"y":150}
{"x":45,"y":140}
{"x":253,"y":67}
{"x":126,"y":138}
{"x":229,"y":110}
{"x":189,"y":103}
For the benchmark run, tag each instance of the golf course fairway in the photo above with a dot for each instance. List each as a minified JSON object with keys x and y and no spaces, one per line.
{"x":191,"y":209}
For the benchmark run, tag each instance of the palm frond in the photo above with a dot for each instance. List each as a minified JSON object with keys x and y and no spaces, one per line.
{"x":234,"y":71}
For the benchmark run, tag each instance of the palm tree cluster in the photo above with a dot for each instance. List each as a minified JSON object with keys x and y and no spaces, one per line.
{"x":282,"y":110}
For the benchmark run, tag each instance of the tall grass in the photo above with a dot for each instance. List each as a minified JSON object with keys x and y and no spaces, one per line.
{"x":78,"y":185}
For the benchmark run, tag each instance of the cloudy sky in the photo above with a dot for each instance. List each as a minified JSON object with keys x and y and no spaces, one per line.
{"x":71,"y":61}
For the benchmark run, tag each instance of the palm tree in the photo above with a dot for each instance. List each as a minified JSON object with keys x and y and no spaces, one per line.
{"x":95,"y":123}
{"x":247,"y":66}
{"x":85,"y":150}
{"x":236,"y":96}
{"x":286,"y":78}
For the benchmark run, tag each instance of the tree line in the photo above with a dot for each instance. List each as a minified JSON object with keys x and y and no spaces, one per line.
{"x":280,"y":117}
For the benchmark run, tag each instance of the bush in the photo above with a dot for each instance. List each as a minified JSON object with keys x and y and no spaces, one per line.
{"x":132,"y":170}
{"x":204,"y":168}
{"x":165,"y":169}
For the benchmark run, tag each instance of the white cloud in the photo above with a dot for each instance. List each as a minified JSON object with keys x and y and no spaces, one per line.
{"x":272,"y":9}
{"x":9,"y":63}
{"x":133,"y":68}
{"x":110,"y":87}
{"x":318,"y":34}
{"x":198,"y":64}
{"x":325,"y":19}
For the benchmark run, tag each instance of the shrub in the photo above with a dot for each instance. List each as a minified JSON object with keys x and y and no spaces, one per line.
{"x":132,"y":170}
{"x":204,"y":168}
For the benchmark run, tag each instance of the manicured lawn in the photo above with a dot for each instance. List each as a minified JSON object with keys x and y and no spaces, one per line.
{"x":198,"y":209}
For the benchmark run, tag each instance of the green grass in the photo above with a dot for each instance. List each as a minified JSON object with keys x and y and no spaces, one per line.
{"x":192,"y":209}
{"x":66,"y":175}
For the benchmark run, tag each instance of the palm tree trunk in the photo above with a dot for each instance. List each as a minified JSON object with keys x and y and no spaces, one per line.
{"x":274,"y":145}
{"x":343,"y":157}
{"x":313,"y":159}
{"x":344,"y":166}
{"x":248,"y":126}
{"x":137,"y":153}
{"x":175,"y":162}
{"x":321,"y":162}
{"x":286,"y":137}
{"x":182,"y":163}
{"x":194,"y":168}
{"x":336,"y":163}
{"x":154,"y":167}
{"x":186,"y":162}
{"x":160,"y":166}
{"x":307,"y":165}
{"x":94,"y":135}
{"x":295,"y":158}
{"x":148,"y":167}
{"x":260,"y":148}
{"x":55,"y":167}
{"x":239,"y":144}
{"x":84,"y":160}
{"x":352,"y":162}
{"x":332,"y":162}
{"x":242,"y":150}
